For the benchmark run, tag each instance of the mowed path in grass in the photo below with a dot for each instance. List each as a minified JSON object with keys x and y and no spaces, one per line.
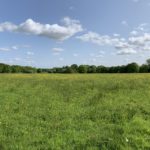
{"x":74,"y":112}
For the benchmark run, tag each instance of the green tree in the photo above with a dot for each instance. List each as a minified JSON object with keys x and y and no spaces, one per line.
{"x":144,"y":68}
{"x":16,"y":69}
{"x":1,"y":67}
{"x":68,"y":69}
{"x":39,"y":70}
{"x":102,"y":69}
{"x":6,"y":69}
{"x":74,"y":68}
{"x":83,"y":69}
{"x":29,"y":69}
{"x":148,"y":62}
{"x":132,"y":68}
{"x":92,"y":69}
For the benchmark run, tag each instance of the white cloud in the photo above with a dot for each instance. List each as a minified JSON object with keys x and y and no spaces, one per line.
{"x":30,"y":53}
{"x":116,"y":35}
{"x":140,"y":40}
{"x":126,"y":51}
{"x":98,"y":39}
{"x":137,"y":41}
{"x":124,"y":23}
{"x":146,"y":48}
{"x":54,"y":31}
{"x":134,"y":33}
{"x":7,"y":26}
{"x":4,"y":49}
{"x":122,"y":46}
{"x":143,"y":27}
{"x":15,"y":47}
{"x":57,"y":50}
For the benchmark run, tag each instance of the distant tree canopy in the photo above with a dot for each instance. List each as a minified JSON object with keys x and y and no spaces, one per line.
{"x":83,"y":69}
{"x":132,"y":68}
{"x":144,"y":68}
{"x":148,"y":62}
{"x":129,"y":68}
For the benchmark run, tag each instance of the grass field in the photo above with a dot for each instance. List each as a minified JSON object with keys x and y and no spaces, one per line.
{"x":75,"y":112}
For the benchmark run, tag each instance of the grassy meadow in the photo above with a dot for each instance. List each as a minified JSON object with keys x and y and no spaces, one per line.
{"x":75,"y":112}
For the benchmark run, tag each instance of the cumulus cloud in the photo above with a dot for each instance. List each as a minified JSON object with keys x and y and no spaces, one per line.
{"x":54,"y":31}
{"x":116,"y":35}
{"x":57,"y":49}
{"x":143,"y":27}
{"x":140,"y":40}
{"x":134,"y":33}
{"x":124,"y":48}
{"x":122,"y":45}
{"x":136,"y":42}
{"x":98,"y":39}
{"x":4,"y":49}
{"x":7,"y":26}
{"x":126,"y":51}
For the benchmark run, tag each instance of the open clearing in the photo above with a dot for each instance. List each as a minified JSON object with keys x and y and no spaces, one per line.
{"x":67,"y":112}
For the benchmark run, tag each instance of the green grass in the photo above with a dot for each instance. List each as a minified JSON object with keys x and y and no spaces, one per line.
{"x":75,"y":112}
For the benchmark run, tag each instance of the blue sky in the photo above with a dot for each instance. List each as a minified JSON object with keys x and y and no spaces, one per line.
{"x":48,"y":33}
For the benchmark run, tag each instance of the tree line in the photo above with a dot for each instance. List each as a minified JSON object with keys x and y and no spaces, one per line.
{"x":129,"y":68}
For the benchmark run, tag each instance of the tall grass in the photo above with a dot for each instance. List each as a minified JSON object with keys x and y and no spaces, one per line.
{"x":75,"y":112}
